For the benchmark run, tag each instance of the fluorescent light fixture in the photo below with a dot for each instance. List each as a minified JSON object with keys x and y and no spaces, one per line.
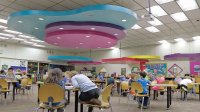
{"x":25,"y":36}
{"x":152,"y":29}
{"x":3,"y":27}
{"x":41,"y":19}
{"x":196,"y":38}
{"x":19,"y":21}
{"x":87,"y":36}
{"x":13,"y":32}
{"x":3,"y":21}
{"x":4,"y":38}
{"x":180,"y":16}
{"x":187,"y":5}
{"x":18,"y":39}
{"x":58,"y":37}
{"x":136,"y":27}
{"x":92,"y":28}
{"x":124,"y":20}
{"x":35,"y":40}
{"x":37,"y":45}
{"x":163,"y":1}
{"x":80,"y":43}
{"x":179,"y":40}
{"x":7,"y":35}
{"x":115,"y":34}
{"x":157,"y":11}
{"x":163,"y":41}
{"x":36,"y":28}
{"x":27,"y":42}
{"x":61,"y":28}
{"x":155,"y":22}
{"x":109,"y":42}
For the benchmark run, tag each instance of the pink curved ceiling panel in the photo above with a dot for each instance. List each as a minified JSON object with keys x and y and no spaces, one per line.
{"x":85,"y":39}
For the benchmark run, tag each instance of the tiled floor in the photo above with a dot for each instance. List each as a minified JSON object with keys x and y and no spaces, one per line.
{"x":28,"y":103}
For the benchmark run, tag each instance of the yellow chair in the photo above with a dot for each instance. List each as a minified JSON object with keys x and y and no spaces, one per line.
{"x":137,"y":88}
{"x":197,"y":79}
{"x":105,"y":99}
{"x":4,"y":88}
{"x":54,"y":92}
{"x":124,"y":88}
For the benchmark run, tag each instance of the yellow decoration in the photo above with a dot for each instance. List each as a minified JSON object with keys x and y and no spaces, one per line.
{"x":150,"y":57}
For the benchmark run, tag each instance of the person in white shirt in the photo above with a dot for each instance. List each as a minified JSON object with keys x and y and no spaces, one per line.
{"x":184,"y":83}
{"x":89,"y":90}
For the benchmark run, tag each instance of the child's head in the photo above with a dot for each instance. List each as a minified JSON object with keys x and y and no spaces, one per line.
{"x":54,"y":75}
{"x":10,"y":71}
{"x":143,"y":74}
{"x":72,"y":73}
{"x":132,"y":75}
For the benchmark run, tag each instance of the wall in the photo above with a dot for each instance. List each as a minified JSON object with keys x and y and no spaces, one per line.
{"x":160,"y":50}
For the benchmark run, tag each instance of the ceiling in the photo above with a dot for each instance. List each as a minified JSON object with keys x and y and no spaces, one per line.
{"x":169,"y":30}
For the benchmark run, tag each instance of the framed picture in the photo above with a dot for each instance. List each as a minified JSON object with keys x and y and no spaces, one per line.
{"x":123,"y":71}
{"x":157,"y":68}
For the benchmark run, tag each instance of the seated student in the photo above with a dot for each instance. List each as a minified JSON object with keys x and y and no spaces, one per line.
{"x":56,"y":76}
{"x":132,"y":78}
{"x":111,"y":80}
{"x":2,"y":74}
{"x":122,"y":78}
{"x":100,"y":76}
{"x":89,"y":90}
{"x":144,"y":84}
{"x":10,"y":75}
{"x":185,"y":82}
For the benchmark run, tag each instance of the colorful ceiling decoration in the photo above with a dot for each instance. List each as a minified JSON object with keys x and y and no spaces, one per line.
{"x":69,"y":58}
{"x":85,"y":62}
{"x":179,"y":56}
{"x":123,"y":60}
{"x":95,"y":26}
{"x":149,"y":57}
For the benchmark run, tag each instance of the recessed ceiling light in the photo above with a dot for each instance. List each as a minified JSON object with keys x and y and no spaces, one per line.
{"x":25,"y":36}
{"x":11,"y":31}
{"x":155,"y":22}
{"x":163,"y":41}
{"x":124,"y":20}
{"x":179,"y":40}
{"x":36,"y":28}
{"x":187,"y":5}
{"x":19,"y":21}
{"x":3,"y":27}
{"x":157,"y":11}
{"x":37,"y":45}
{"x":7,"y":35}
{"x":180,"y":16}
{"x":115,"y":34}
{"x":87,"y":36}
{"x":35,"y":40}
{"x":152,"y":29}
{"x":92,"y":28}
{"x":136,"y":27}
{"x":61,"y":28}
{"x":109,"y":42}
{"x":58,"y":37}
{"x":41,"y":19}
{"x":196,"y":38}
{"x":80,"y":43}
{"x":163,"y":1}
{"x":3,"y":21}
{"x":4,"y":38}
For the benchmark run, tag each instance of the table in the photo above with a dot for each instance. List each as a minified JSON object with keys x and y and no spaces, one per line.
{"x":76,"y":90}
{"x":100,"y":82}
{"x":169,"y":98}
{"x":199,"y":88}
{"x":14,"y":87}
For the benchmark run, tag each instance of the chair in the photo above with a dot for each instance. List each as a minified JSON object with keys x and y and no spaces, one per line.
{"x":4,"y":88}
{"x":124,"y":88}
{"x":105,"y":99}
{"x":197,"y":79}
{"x":24,"y":84}
{"x":137,"y":88}
{"x":30,"y":86}
{"x":49,"y":94}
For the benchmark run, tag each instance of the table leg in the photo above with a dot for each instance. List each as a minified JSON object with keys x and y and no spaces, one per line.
{"x":14,"y":86}
{"x":199,"y":92}
{"x":168,"y":98}
{"x":149,"y":91}
{"x":76,"y":101}
{"x":154,"y":94}
{"x":170,"y":95}
{"x":81,"y":108}
{"x":68,"y":95}
{"x":38,"y":93}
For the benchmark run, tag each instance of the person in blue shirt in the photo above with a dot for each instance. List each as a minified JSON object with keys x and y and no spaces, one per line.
{"x":144,"y":82}
{"x":122,"y":78}
{"x":100,"y":76}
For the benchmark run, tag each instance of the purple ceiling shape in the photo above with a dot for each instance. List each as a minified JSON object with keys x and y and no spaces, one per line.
{"x":179,"y":56}
{"x":111,"y":29}
{"x":85,"y":39}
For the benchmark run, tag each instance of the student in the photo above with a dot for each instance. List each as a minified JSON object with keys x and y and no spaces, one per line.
{"x":2,"y":74}
{"x":132,"y":78}
{"x":10,"y":75}
{"x":122,"y":78}
{"x":56,"y":76}
{"x":89,"y":90}
{"x":100,"y":76}
{"x":111,"y":80}
{"x":144,"y":84}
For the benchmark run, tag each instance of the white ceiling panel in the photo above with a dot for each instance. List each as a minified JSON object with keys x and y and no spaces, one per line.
{"x":129,"y":4}
{"x":6,"y":2}
{"x":143,"y":24}
{"x":185,"y":23}
{"x":69,"y":4}
{"x":162,"y":27}
{"x":104,"y":1}
{"x":173,"y":25}
{"x":57,"y":7}
{"x":179,"y":31}
{"x":45,"y":3}
{"x":171,"y":7}
{"x":84,"y":2}
{"x":57,"y":1}
{"x":31,"y":5}
{"x":166,"y":19}
{"x":190,"y":29}
{"x":2,"y":7}
{"x":17,"y":6}
{"x":193,"y":14}
{"x":145,"y":3}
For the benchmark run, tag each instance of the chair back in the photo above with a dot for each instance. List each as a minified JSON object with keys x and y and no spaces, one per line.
{"x":136,"y":87}
{"x":105,"y":94}
{"x":30,"y":82}
{"x":124,"y":85}
{"x":3,"y":84}
{"x":197,"y":79}
{"x":51,"y":90}
{"x":24,"y":82}
{"x":190,"y":86}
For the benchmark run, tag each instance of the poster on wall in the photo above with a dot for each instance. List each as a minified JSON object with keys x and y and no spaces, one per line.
{"x":195,"y":68}
{"x":157,"y":68}
{"x":123,"y":71}
{"x":175,"y":70}
{"x":18,"y":69}
{"x":135,"y":70}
